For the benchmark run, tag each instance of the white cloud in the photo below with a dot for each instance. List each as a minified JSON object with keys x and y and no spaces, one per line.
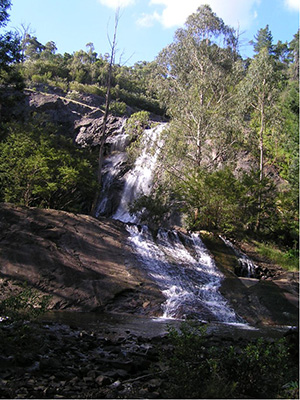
{"x":117,"y":3}
{"x":147,"y":20}
{"x":293,"y":4}
{"x":175,"y":12}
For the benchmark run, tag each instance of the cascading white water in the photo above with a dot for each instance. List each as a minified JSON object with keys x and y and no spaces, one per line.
{"x":138,"y":181}
{"x":180,"y":264}
{"x":185,"y":272}
{"x":247,"y":266}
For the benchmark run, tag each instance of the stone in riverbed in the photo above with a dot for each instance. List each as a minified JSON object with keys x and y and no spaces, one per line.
{"x":103,"y":380}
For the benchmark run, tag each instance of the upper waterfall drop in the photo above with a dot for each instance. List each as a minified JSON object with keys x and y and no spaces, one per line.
{"x":138,"y":181}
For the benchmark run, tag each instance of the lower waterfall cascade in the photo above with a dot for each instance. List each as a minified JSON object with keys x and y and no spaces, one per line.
{"x":185,"y":272}
{"x":179,"y":263}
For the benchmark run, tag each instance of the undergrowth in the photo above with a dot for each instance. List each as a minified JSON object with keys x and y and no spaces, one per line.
{"x":18,"y":327}
{"x":27,"y":304}
{"x":257,"y":369}
{"x":288,"y":260}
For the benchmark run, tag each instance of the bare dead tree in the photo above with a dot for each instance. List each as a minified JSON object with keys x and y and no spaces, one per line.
{"x":103,"y":137}
{"x":25,"y":33}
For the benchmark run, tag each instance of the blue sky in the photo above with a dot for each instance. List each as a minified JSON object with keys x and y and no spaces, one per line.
{"x":145,"y":26}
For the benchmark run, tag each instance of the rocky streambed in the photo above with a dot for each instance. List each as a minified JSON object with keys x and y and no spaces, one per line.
{"x":104,"y":356}
{"x":52,"y":360}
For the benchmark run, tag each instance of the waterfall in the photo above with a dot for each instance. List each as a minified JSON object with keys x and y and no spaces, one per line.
{"x":247,"y":267}
{"x":185,"y":272}
{"x":179,"y":263}
{"x":138,"y":181}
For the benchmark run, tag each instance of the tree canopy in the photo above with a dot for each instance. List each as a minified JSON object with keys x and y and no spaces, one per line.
{"x":9,"y":43}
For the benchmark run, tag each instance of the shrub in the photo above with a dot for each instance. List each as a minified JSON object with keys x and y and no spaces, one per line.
{"x":40,"y":168}
{"x":135,"y":126}
{"x":258,"y":369}
{"x":152,"y":209}
{"x":137,"y":123}
{"x":90,"y":89}
{"x":118,"y":108}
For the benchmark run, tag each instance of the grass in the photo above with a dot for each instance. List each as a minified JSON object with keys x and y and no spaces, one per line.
{"x":288,"y":260}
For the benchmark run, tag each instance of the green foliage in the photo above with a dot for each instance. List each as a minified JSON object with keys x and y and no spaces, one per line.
{"x":86,"y":72}
{"x":42,"y":169}
{"x":261,"y":368}
{"x":195,"y":77}
{"x":195,"y":369}
{"x":27,"y":304}
{"x":263,"y":40}
{"x":211,"y":200}
{"x":152,"y":209}
{"x":9,"y":41}
{"x":9,"y":57}
{"x":137,"y":123}
{"x":220,"y":107}
{"x":289,"y":260}
{"x":192,"y":373}
{"x":135,"y":126}
{"x":258,"y":201}
{"x":18,"y":334}
{"x":291,"y":390}
{"x":118,"y":108}
{"x":286,"y":154}
{"x":91,"y":89}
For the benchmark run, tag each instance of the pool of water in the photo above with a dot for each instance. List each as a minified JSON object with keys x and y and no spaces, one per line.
{"x":123,"y":324}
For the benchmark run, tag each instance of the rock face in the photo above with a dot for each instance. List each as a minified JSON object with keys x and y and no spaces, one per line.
{"x":89,"y":129}
{"x":79,"y":118}
{"x":271,"y":300}
{"x":83,"y":263}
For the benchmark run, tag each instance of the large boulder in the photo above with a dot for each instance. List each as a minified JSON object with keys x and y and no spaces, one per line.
{"x":83,"y":263}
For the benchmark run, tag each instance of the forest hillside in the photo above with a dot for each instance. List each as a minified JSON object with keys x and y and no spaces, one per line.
{"x":229,"y":163}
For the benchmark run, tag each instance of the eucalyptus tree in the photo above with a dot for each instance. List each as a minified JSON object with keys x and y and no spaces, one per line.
{"x":31,"y":47}
{"x":197,"y":76}
{"x":196,"y":79}
{"x":259,"y":92}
